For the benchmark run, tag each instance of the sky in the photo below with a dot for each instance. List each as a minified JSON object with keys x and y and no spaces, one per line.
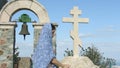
{"x":102,"y":30}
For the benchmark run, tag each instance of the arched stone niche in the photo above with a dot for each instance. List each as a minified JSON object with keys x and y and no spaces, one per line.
{"x":7,"y":28}
{"x":13,"y":6}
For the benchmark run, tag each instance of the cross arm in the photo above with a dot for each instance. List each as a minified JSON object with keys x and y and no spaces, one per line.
{"x":86,"y":20}
{"x":68,"y":19}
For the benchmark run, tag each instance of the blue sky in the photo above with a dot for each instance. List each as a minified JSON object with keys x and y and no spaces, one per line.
{"x":102,"y":30}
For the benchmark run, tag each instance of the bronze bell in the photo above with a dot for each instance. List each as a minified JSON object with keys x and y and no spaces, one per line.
{"x":24,"y":30}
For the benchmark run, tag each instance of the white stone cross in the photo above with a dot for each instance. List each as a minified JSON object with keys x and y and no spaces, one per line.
{"x":74,"y":33}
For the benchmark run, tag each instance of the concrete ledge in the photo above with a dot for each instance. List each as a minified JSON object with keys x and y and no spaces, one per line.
{"x":39,"y":25}
{"x":8,"y":25}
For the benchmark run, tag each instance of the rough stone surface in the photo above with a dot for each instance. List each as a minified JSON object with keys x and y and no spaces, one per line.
{"x":6,"y":46}
{"x":25,"y":62}
{"x":36,"y":35}
{"x":80,"y":62}
{"x":1,"y":52}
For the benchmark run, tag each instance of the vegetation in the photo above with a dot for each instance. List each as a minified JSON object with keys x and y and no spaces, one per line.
{"x":68,"y":52}
{"x":15,"y":56}
{"x":96,"y":57}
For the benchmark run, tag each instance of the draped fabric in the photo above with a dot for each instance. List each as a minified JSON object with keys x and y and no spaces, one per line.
{"x":43,"y":53}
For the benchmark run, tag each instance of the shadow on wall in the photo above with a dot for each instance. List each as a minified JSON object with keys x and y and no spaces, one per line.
{"x":2,"y":3}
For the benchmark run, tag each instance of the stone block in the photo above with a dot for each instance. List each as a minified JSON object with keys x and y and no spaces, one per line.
{"x":17,"y":5}
{"x":2,"y":41}
{"x":3,"y":65}
{"x":4,"y":17}
{"x":41,"y":12}
{"x":32,"y":5}
{"x":25,"y":62}
{"x":1,"y":52}
{"x":79,"y":62}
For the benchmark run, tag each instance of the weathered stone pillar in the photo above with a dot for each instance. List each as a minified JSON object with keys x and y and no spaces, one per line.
{"x":37,"y":29}
{"x":7,"y":42}
{"x":25,"y":62}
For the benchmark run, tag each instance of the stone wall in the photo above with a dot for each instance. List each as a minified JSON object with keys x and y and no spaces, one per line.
{"x":6,"y":45}
{"x":25,"y":62}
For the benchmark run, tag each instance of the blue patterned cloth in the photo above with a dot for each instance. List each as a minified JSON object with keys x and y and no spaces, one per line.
{"x":43,"y":53}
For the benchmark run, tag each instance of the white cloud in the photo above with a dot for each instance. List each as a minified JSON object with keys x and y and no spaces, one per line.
{"x":64,"y":42}
{"x":109,"y":28}
{"x":104,"y":32}
{"x":81,"y":35}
